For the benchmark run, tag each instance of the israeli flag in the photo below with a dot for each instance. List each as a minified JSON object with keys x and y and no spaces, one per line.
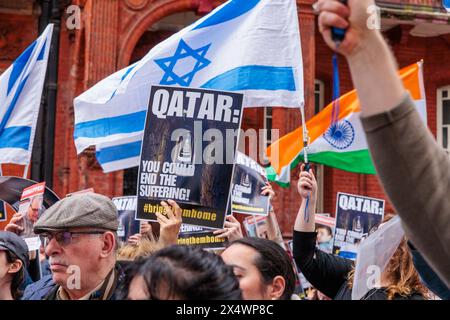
{"x":248,"y":46}
{"x":21,"y":88}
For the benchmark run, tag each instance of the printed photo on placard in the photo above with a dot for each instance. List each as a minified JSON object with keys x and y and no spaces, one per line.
{"x":31,"y":207}
{"x":325,"y":226}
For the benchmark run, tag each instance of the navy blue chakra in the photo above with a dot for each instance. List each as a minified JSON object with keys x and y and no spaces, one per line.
{"x":340,"y":135}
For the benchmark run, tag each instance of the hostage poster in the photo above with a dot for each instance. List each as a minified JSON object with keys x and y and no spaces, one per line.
{"x":356,"y":218}
{"x":325,"y":226}
{"x":187,"y":154}
{"x":248,"y":180}
{"x":31,"y":207}
{"x":128,"y":225}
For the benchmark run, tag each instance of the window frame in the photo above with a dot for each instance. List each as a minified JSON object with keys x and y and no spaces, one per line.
{"x":439,"y":114}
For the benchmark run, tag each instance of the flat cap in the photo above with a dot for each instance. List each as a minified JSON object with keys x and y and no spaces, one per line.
{"x":90,"y":210}
{"x":12,"y":242}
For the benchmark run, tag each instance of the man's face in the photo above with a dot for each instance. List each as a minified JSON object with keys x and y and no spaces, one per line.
{"x":82,"y":255}
{"x":33,"y":209}
{"x":323,"y":235}
{"x":242,"y":259}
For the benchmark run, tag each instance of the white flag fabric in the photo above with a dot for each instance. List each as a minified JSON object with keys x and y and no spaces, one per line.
{"x":21,"y":88}
{"x":247,"y":46}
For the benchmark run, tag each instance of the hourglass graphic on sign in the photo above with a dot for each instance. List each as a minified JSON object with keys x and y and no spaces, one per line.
{"x":246,"y":184}
{"x":357,"y":226}
{"x":184,"y":156}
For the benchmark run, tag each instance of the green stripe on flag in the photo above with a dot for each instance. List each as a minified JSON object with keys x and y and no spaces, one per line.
{"x":353,"y":161}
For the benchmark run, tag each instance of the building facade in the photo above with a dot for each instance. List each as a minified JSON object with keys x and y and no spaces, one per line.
{"x":112,"y":34}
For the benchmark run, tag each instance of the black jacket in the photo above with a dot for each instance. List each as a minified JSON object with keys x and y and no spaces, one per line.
{"x":328,"y":272}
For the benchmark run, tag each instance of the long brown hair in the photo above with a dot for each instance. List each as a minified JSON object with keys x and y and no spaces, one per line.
{"x":403,"y":277}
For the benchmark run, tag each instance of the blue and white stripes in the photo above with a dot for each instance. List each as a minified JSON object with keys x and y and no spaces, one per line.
{"x":249,"y":46}
{"x":21,"y":88}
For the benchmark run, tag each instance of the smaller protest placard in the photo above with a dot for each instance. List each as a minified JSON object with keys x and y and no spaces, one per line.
{"x":3,"y":214}
{"x":303,"y":282}
{"x":248,"y":180}
{"x":31,"y":207}
{"x":356,"y":218}
{"x":128,"y":225}
{"x":256,"y":226}
{"x":201,"y":237}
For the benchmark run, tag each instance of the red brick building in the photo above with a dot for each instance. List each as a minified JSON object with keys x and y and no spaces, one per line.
{"x":115,"y":33}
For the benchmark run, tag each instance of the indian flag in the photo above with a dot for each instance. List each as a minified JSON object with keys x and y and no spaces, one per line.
{"x":342,"y":145}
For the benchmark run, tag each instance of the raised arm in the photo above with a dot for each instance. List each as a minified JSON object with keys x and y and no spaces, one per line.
{"x":324,"y":271}
{"x":413,"y":169}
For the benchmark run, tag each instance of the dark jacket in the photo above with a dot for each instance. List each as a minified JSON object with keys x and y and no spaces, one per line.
{"x":41,"y":289}
{"x":328,"y":272}
{"x":428,"y":276}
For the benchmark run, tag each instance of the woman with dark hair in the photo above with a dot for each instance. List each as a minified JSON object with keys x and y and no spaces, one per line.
{"x":183,"y":273}
{"x":13,"y":262}
{"x":264,"y":269}
{"x":334,"y":275}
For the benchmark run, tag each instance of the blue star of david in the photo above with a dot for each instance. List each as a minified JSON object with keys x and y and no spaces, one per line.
{"x":183,"y":51}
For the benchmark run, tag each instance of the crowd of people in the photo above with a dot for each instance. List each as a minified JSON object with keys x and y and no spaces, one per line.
{"x":83,"y":260}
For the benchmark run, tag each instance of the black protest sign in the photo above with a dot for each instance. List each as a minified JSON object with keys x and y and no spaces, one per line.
{"x":3,"y":216}
{"x":200,"y":237}
{"x":126,"y":209}
{"x":248,"y":180}
{"x":187,"y":153}
{"x":356,"y":217}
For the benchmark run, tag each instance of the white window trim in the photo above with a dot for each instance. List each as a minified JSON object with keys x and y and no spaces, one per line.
{"x":320,"y":168}
{"x":321,"y":93}
{"x":440,"y":126}
{"x":266,"y":116}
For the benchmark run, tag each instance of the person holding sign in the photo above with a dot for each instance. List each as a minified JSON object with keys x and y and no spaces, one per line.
{"x":414,"y":170}
{"x":170,"y":223}
{"x":334,"y":275}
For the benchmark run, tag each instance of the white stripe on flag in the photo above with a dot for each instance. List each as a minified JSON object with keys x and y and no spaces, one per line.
{"x":21,"y":88}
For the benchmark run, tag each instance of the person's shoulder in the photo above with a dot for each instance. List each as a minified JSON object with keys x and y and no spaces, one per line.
{"x":38,"y":289}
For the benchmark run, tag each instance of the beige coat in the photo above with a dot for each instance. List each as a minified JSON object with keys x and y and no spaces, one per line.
{"x":415,"y":173}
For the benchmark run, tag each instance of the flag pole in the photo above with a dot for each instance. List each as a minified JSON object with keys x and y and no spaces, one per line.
{"x":25,"y":171}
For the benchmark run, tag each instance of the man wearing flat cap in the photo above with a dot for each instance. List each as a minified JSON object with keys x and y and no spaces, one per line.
{"x":79,"y":234}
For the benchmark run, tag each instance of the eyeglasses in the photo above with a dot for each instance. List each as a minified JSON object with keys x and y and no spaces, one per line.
{"x":64,"y":238}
